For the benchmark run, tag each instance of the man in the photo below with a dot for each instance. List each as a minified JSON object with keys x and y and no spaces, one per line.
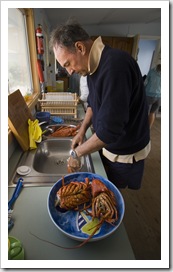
{"x":83,"y":91}
{"x":153,"y":92}
{"x":117,"y":106}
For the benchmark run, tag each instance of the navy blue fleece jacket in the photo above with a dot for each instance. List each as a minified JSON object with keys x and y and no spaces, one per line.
{"x":118,"y":102}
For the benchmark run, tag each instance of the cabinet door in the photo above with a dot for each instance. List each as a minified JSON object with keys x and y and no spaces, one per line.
{"x":108,"y":40}
{"x":123,"y":43}
{"x":105,"y":39}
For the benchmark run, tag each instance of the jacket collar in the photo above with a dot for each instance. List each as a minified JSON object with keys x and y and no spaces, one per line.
{"x":95,"y":55}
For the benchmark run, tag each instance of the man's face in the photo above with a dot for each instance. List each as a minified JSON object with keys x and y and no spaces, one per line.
{"x":76,"y":62}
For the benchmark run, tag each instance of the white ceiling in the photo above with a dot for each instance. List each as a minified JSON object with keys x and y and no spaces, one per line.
{"x":103,"y":16}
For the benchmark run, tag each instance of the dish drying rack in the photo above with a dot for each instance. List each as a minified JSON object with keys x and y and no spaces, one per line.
{"x":62,"y":103}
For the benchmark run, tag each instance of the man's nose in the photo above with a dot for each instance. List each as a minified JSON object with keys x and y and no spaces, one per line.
{"x":70,"y":71}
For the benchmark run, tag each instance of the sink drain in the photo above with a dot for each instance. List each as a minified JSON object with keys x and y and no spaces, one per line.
{"x":60,"y":162}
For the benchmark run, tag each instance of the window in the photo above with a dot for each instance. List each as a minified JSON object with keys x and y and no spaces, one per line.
{"x":22,"y":54}
{"x":19,"y":70}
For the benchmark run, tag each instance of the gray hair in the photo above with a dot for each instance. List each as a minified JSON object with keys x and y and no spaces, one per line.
{"x":67,"y":35}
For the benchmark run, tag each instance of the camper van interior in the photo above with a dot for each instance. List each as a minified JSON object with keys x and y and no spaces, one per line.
{"x":44,"y":114}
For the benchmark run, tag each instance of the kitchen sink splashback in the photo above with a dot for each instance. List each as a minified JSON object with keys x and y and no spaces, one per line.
{"x":48,"y":163}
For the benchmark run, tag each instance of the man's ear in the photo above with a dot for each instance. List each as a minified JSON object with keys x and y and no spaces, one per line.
{"x":80,"y":47}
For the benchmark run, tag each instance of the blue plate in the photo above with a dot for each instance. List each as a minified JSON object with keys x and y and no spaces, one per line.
{"x":74,"y":223}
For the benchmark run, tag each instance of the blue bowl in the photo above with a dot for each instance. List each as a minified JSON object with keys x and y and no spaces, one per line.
{"x":73,"y":223}
{"x":43,"y":116}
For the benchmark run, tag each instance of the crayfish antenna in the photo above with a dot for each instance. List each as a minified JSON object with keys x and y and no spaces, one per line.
{"x":75,"y":247}
{"x":63,"y":183}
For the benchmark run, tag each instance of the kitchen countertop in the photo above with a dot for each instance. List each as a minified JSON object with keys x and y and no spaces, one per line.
{"x":30,"y":215}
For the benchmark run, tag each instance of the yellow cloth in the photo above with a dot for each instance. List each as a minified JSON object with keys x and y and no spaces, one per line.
{"x":35,"y":133}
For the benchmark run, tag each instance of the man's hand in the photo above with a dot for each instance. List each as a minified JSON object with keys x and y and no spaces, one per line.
{"x":77,"y":140}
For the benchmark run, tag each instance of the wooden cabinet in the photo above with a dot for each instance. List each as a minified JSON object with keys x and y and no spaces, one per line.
{"x":108,"y":40}
{"x":122,"y":43}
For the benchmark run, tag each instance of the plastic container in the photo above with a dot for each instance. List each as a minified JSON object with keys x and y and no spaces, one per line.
{"x":57,"y":119}
{"x":60,"y":86}
{"x":43,"y":116}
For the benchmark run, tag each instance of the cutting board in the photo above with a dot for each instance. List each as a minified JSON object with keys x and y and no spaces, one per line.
{"x":18,"y":115}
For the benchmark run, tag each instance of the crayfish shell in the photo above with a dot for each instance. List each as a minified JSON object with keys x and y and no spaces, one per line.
{"x":72,"y":195}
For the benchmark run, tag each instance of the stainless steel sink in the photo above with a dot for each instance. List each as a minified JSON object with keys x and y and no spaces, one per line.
{"x":51,"y":156}
{"x":48,"y":163}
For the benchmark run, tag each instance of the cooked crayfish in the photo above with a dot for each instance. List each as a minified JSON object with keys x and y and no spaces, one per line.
{"x":100,"y":198}
{"x":103,"y":203}
{"x":103,"y":206}
{"x":66,"y":131}
{"x":74,"y":194}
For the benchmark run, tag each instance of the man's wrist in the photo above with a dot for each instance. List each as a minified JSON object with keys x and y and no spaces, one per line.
{"x":73,"y":154}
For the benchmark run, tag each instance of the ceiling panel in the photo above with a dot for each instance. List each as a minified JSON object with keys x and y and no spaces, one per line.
{"x":103,"y":16}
